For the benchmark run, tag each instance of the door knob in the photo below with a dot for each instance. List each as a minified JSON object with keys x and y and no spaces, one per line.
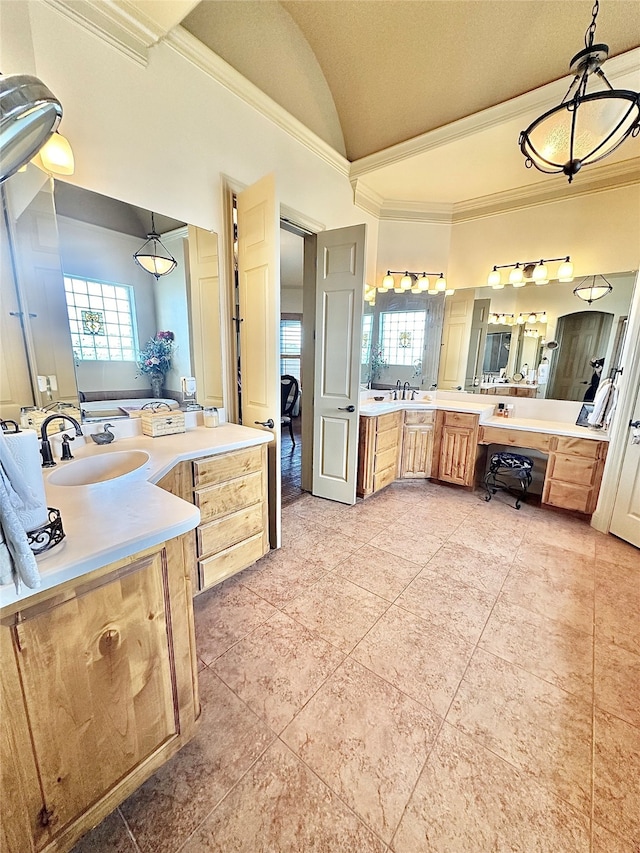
{"x":346,"y":408}
{"x":268,"y":423}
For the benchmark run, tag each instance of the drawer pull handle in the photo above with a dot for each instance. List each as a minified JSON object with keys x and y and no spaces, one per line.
{"x":346,"y":408}
{"x":268,"y":423}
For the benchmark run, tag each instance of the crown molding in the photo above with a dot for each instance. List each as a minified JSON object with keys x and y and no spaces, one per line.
{"x":191,"y":49}
{"x":536,"y":101}
{"x":367,"y":199}
{"x":598,"y":179}
{"x":434,"y":213}
{"x":118,"y":22}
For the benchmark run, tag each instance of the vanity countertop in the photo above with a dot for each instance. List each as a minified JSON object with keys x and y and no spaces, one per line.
{"x":108,"y":521}
{"x":498,"y":385}
{"x":371,"y":408}
{"x":552,"y":427}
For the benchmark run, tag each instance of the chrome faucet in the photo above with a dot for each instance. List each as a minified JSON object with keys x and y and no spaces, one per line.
{"x":406,"y":387}
{"x":45,"y":449}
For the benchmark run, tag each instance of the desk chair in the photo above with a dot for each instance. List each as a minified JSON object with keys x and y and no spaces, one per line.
{"x":289,"y":393}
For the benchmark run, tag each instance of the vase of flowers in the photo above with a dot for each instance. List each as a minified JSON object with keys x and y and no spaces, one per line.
{"x":154,"y":360}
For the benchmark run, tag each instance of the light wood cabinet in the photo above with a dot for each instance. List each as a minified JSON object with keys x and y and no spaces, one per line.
{"x":98,"y":690}
{"x":378,"y":452}
{"x":574,"y":473}
{"x":455,"y":447}
{"x":230,"y":489}
{"x":417,"y":444}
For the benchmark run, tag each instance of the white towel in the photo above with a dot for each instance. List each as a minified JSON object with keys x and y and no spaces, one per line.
{"x":601,"y":403}
{"x":21,"y":470}
{"x":24,"y":568}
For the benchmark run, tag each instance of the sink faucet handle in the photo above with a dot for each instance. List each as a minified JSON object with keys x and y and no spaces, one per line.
{"x":66,"y":449}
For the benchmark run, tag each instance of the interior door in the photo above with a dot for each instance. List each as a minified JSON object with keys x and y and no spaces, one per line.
{"x":339,"y":297}
{"x":625,"y":521}
{"x":259,"y":295}
{"x":581,"y":336}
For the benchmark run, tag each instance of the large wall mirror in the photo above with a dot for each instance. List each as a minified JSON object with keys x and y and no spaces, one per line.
{"x":86,"y":308}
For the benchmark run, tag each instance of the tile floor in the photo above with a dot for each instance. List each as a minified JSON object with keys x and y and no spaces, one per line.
{"x":420,"y":673}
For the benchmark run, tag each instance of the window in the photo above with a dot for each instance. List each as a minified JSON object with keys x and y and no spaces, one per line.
{"x":402,"y":336}
{"x":367,"y":329}
{"x":291,"y":345}
{"x":101,"y":320}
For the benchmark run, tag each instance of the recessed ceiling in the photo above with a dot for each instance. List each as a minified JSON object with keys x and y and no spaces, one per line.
{"x":395,"y":69}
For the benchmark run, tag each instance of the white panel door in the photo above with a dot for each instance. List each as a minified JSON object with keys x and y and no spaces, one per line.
{"x":259,"y":294}
{"x":458,"y":315}
{"x":339,"y":295}
{"x":625,"y":522}
{"x":205,"y":315}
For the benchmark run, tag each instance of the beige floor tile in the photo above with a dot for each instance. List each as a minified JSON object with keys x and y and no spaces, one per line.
{"x":549,"y":649}
{"x":469,"y":800}
{"x":615,"y":550}
{"x":617,"y":606}
{"x":574,"y":534}
{"x":356,"y":525}
{"x":617,"y":682}
{"x":314,"y":509}
{"x":323,"y":548}
{"x":606,"y":842}
{"x":367,"y":741}
{"x":281,"y":576}
{"x":417,"y":548}
{"x":557,"y":559}
{"x":616,"y":771}
{"x":378,"y":571}
{"x":420,"y":659}
{"x":534,"y":725}
{"x":170,"y":805}
{"x":337,"y":610}
{"x":277,"y":668}
{"x":555,"y":593}
{"x":448,"y":604}
{"x":470,"y":567}
{"x":111,"y":835}
{"x":225,"y":614}
{"x":282,"y":807}
{"x":489,"y":538}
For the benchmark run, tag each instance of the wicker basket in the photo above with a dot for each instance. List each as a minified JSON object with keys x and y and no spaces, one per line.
{"x":162,"y":423}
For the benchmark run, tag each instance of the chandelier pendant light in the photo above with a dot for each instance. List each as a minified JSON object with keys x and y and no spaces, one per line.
{"x":587,"y":125}
{"x":589,"y":290}
{"x":153,"y":256}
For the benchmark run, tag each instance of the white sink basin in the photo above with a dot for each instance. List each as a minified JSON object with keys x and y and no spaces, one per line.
{"x":98,"y":469}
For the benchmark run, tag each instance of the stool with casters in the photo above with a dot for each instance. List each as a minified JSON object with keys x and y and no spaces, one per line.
{"x":510,"y":472}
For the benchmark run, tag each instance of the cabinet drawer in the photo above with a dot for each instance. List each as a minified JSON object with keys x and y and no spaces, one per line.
{"x":459,"y":419}
{"x":232,"y":560}
{"x":388,"y":439}
{"x":586,"y":447}
{"x":568,"y":496}
{"x":383,"y":478}
{"x":225,"y":532}
{"x":515,"y":438}
{"x":385,"y":459}
{"x":412,"y":417}
{"x":219,"y":500}
{"x":217,"y":469}
{"x":390,"y":421}
{"x":572,"y":469}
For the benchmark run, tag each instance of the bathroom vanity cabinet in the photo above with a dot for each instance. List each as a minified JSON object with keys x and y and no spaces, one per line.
{"x":574,"y":473}
{"x":417,"y":444}
{"x":456,"y":441}
{"x":378,"y":452}
{"x":98,"y":690}
{"x":230,"y":490}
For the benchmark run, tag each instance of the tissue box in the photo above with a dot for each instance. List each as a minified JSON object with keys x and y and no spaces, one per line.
{"x":162,"y":423}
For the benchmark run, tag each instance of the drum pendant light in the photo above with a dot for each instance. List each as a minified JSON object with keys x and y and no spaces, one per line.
{"x":587,"y":125}
{"x":153,"y":256}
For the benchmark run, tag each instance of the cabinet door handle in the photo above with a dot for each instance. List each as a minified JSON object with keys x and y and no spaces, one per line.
{"x":268,"y":423}
{"x":346,"y":408}
{"x":634,"y":424}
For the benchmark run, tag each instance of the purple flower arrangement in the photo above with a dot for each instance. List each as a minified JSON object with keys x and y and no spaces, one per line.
{"x":156,"y":356}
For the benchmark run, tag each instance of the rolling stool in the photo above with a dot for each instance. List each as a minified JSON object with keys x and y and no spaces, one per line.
{"x":508,"y":465}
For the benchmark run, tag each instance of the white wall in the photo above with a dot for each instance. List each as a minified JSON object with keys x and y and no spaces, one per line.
{"x":415,"y":246}
{"x":172,"y":308}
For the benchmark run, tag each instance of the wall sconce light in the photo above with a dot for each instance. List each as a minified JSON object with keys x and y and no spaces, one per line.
{"x":584,"y":127}
{"x":589,"y":290}
{"x":523,"y":272}
{"x":416,"y":282}
{"x":153,"y":256}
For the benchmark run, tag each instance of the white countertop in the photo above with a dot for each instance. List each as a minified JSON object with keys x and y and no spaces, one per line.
{"x":499,"y":385}
{"x":108,"y":521}
{"x":487,"y":417}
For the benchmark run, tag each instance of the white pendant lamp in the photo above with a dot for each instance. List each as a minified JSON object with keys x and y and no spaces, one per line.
{"x":153,"y":256}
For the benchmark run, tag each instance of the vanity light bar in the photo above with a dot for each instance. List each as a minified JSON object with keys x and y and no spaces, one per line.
{"x":524,"y":317}
{"x":414,"y":282}
{"x":525,"y":271}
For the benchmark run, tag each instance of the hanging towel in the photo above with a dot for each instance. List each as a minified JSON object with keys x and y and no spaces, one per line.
{"x":22,"y":562}
{"x":601,"y":403}
{"x":21,"y":470}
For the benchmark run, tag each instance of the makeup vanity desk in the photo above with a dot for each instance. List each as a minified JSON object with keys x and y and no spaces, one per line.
{"x":576,"y":457}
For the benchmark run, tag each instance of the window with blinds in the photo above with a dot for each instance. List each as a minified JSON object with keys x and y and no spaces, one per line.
{"x":291,"y":345}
